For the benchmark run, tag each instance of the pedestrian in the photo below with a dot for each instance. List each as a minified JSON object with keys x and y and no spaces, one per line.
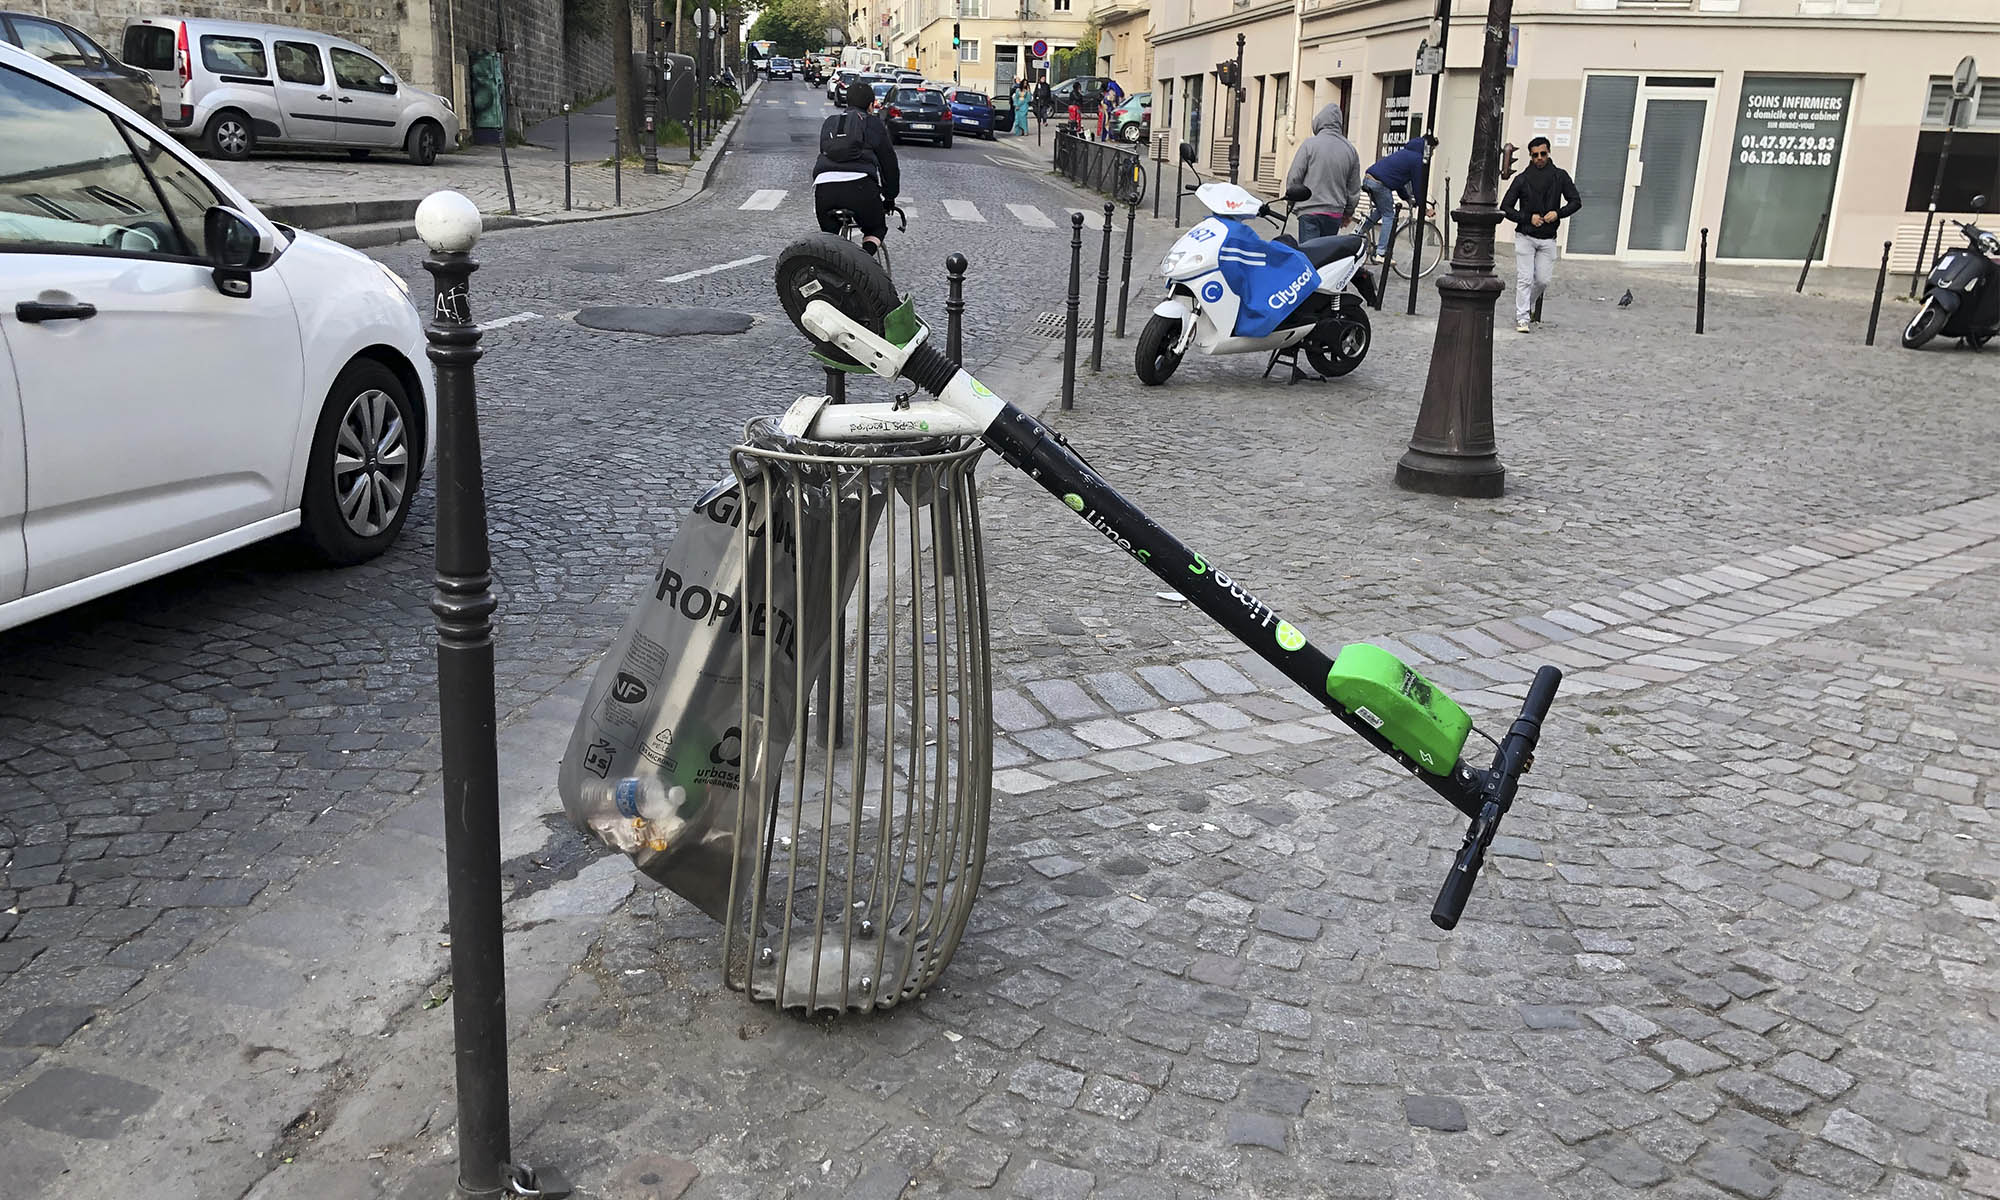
{"x":1330,"y":170}
{"x":1045,"y":99}
{"x":1075,"y":119}
{"x":1021,"y":108}
{"x":1537,"y":201}
{"x":1394,"y":174}
{"x":1109,"y":97}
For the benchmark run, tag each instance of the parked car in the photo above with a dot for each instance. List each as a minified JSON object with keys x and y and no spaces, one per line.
{"x":1081,"y":90}
{"x":882,"y":89}
{"x":919,"y":112}
{"x":779,"y":68}
{"x":971,"y":112}
{"x":233,"y":87}
{"x":179,"y":376}
{"x":837,"y":84}
{"x":905,"y":75}
{"x":69,"y":48}
{"x":1132,"y":118}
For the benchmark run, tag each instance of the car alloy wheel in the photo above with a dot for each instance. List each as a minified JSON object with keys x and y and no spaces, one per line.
{"x":371,"y":467}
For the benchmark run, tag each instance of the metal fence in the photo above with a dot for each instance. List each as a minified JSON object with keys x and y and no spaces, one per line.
{"x":1105,"y":167}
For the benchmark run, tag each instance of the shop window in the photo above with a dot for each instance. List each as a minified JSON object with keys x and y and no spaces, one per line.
{"x":1393,"y":126}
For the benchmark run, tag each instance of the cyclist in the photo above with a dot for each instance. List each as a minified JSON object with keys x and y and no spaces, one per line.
{"x":1394,"y":174}
{"x":856,"y":169}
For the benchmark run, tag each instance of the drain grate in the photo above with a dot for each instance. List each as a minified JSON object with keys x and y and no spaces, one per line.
{"x":1050,"y":325}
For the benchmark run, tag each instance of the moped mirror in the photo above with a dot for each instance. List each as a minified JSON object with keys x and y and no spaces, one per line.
{"x":1979,"y":203}
{"x":1187,"y":153}
{"x":1297,"y":192}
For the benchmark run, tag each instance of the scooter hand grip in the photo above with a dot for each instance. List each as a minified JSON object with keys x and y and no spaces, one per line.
{"x":1457,"y":887}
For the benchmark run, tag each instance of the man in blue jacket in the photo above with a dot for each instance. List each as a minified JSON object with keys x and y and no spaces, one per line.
{"x":1392,"y":176}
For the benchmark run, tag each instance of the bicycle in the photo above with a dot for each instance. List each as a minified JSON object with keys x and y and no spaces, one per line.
{"x":1128,"y":186}
{"x":849,"y":311}
{"x":852,"y":232}
{"x":1430,"y":245}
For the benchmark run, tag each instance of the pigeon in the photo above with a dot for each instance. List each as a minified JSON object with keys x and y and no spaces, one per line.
{"x":1625,"y":301}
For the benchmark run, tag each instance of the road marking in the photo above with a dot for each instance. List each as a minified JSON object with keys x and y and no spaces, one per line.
{"x":963,"y":210}
{"x":800,"y":103}
{"x":741,"y":262}
{"x":1031,"y":216}
{"x":763,"y":200}
{"x":498,"y":322}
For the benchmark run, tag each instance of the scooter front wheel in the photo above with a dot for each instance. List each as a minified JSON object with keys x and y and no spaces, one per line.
{"x":1339,"y":344}
{"x":1925,"y":325}
{"x":1156,"y":358}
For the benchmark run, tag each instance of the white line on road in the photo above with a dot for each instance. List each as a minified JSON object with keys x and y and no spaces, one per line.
{"x":1031,"y":216}
{"x":497,"y":322}
{"x":741,"y":262}
{"x":763,"y":200}
{"x":963,"y":210}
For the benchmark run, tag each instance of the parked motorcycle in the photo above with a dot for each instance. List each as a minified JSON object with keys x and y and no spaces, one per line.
{"x":1962,"y":294}
{"x":1230,"y":291}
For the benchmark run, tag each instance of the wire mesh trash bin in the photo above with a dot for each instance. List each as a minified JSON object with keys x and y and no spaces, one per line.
{"x":861,"y":849}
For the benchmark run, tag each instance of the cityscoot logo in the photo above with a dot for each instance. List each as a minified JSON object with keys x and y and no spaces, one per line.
{"x":1287,"y":296}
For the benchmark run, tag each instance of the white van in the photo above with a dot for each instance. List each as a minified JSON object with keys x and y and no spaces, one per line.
{"x":231,"y":86}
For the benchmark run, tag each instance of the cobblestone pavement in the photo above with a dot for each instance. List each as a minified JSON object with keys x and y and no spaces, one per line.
{"x":1737,"y":939}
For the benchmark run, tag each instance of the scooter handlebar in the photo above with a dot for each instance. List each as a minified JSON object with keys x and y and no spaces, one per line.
{"x":1515,"y":755}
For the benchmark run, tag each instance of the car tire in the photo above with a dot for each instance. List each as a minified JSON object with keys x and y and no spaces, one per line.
{"x":357,"y":495}
{"x":421,"y":146}
{"x":944,"y":143}
{"x":230,"y":136}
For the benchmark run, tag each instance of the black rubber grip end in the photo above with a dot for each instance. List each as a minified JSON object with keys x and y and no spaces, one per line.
{"x":929,"y":369}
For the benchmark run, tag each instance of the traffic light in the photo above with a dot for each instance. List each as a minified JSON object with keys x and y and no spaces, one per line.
{"x":954,"y":35}
{"x":1225,"y":74}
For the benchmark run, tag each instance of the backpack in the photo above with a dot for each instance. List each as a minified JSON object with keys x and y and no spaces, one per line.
{"x":840,"y":138}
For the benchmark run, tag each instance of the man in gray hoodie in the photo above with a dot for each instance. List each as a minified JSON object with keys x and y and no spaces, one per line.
{"x":1329,"y":167}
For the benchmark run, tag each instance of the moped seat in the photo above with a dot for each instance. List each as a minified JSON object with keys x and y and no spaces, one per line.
{"x":1321,"y":251}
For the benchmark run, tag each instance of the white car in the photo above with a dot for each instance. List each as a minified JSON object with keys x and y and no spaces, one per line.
{"x":179,"y":376}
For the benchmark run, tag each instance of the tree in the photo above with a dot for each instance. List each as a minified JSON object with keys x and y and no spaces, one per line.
{"x":796,"y":27}
{"x":620,"y":16}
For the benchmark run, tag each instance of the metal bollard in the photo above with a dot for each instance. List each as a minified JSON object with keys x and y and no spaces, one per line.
{"x":954,"y":305}
{"x":1701,"y":287}
{"x":1159,"y":172}
{"x":463,"y":604}
{"x":1125,"y":272}
{"x":1069,"y":322}
{"x":566,"y":205}
{"x":1881,"y":281}
{"x":1812,"y":252}
{"x":617,"y":168}
{"x":1103,"y":293}
{"x":1416,"y":254}
{"x":1180,"y":189}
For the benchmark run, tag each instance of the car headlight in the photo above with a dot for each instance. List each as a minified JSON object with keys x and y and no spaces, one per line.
{"x":402,"y":285}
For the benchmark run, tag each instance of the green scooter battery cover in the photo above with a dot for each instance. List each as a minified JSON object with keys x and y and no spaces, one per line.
{"x":1411,"y":711}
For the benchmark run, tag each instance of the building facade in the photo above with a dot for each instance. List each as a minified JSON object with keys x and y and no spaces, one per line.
{"x":996,"y":37}
{"x":1750,"y":118}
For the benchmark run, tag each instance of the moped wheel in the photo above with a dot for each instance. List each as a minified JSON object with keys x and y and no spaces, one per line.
{"x":1924,"y":326}
{"x":1156,"y":358}
{"x":1344,"y":344}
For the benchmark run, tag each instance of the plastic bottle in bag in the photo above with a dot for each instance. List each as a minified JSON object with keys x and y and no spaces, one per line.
{"x":649,"y":803}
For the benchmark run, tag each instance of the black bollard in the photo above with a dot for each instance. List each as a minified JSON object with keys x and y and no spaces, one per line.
{"x":1416,"y":257}
{"x":1180,"y":189}
{"x":1159,"y":172}
{"x":566,"y":158}
{"x":1881,"y":281}
{"x":1125,"y":272}
{"x":1701,"y":287}
{"x":1812,"y":252}
{"x":1069,"y":322}
{"x":463,"y":604}
{"x":954,"y":305}
{"x":1103,"y":293}
{"x":617,"y":168}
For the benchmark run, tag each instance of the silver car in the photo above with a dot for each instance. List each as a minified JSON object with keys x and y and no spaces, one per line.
{"x":230,"y":87}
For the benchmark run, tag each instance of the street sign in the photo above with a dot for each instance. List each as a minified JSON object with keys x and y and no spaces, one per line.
{"x":1965,"y":79}
{"x":1041,"y":49}
{"x":1430,"y":59}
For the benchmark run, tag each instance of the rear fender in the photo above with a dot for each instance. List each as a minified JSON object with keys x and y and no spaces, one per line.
{"x":1364,"y":282}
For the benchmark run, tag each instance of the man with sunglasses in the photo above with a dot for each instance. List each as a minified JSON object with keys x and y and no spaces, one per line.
{"x":1537,"y":201}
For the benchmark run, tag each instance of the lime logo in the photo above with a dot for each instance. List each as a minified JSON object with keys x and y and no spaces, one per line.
{"x":924,"y":425}
{"x":979,"y":389}
{"x":1073,"y":500}
{"x":1289,"y":638}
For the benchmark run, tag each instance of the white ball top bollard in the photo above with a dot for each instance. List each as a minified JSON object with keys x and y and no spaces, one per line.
{"x":448,"y":222}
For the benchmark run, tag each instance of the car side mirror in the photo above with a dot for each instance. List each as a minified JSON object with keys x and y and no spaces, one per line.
{"x":1187,"y":153}
{"x":236,"y":247}
{"x":1979,"y":204}
{"x":388,"y":81}
{"x":1297,"y":192}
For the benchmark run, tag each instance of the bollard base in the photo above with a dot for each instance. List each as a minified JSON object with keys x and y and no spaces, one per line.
{"x":1474,"y":476}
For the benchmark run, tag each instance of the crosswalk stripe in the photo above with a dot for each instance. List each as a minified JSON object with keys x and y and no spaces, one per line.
{"x":763,"y":200}
{"x":1031,"y":216}
{"x":963,"y":210}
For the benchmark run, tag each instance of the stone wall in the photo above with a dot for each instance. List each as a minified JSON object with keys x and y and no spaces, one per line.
{"x":428,"y":42}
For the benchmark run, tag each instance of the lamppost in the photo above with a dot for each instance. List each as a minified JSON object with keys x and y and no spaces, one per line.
{"x":652,"y":147}
{"x":1452,"y":452}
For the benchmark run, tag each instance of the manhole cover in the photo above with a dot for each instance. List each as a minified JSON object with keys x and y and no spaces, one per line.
{"x":663,"y":322}
{"x":1050,"y":325}
{"x":597,"y":268}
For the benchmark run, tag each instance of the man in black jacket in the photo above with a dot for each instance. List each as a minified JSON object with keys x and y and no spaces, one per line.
{"x":1537,"y":201}
{"x":856,"y":169}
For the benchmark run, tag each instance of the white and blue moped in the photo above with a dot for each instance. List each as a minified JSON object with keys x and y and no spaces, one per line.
{"x":1230,"y":291}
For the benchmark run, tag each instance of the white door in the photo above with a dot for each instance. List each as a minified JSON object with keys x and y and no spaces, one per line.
{"x":13,"y":484}
{"x":306,"y":104}
{"x":369,"y":108}
{"x":155,"y":411}
{"x":1664,"y":175}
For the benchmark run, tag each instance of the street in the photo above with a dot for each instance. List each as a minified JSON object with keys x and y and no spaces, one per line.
{"x":1737,"y":941}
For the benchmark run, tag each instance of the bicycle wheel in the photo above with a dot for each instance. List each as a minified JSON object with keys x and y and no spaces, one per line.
{"x":1430,"y":250}
{"x":1131,"y":185}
